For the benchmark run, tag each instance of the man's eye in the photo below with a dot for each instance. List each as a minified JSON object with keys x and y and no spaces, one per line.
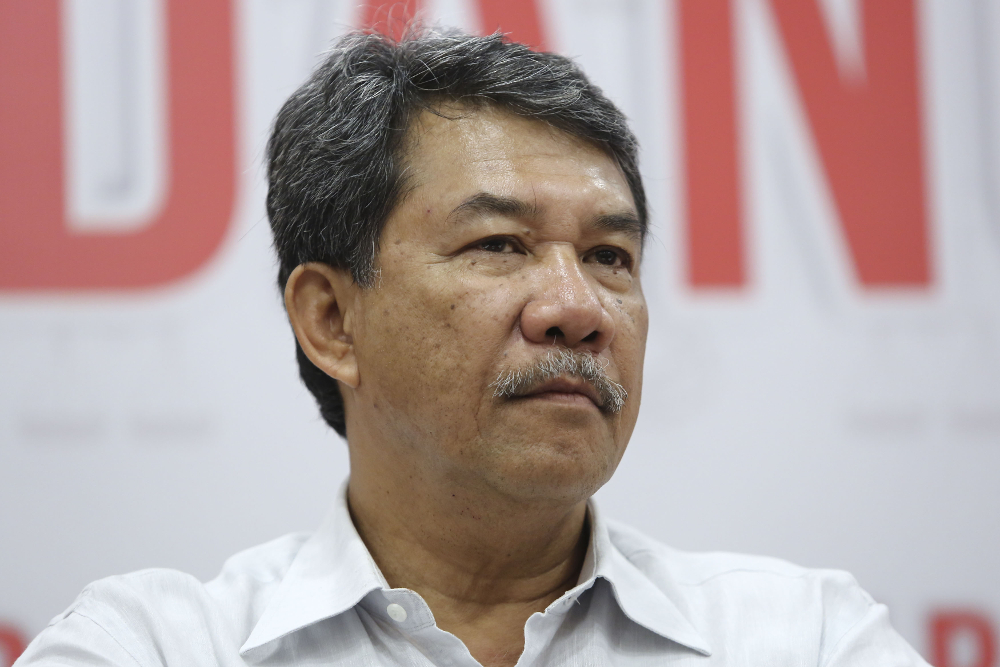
{"x":496,"y":245}
{"x":609,"y":257}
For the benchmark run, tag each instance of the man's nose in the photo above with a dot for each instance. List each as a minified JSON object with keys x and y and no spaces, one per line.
{"x":566,"y":308}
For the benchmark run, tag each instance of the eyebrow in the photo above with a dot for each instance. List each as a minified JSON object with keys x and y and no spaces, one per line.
{"x":626,"y":223}
{"x":486,"y":203}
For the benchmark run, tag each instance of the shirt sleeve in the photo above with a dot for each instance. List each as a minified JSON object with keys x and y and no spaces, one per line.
{"x":74,"y":639}
{"x":873,"y":641}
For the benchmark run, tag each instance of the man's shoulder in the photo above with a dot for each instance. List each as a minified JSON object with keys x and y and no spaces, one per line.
{"x":159,"y":607}
{"x":737,"y":601}
{"x":733,"y":573}
{"x":244,"y":575}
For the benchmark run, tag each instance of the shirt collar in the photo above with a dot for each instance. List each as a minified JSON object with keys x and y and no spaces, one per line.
{"x":640,"y":598}
{"x":330,"y":574}
{"x":333,"y":571}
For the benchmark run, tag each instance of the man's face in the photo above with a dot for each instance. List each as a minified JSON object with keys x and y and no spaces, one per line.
{"x":515,"y":241}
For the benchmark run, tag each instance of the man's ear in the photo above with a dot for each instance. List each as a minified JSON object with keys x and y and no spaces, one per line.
{"x":319,"y":301}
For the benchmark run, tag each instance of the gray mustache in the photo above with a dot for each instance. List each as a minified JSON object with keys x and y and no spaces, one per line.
{"x":562,"y":363}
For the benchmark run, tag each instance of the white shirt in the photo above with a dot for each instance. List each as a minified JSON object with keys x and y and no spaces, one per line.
{"x":321,"y":600}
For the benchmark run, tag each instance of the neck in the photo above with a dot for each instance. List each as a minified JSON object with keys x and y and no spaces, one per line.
{"x":483,"y":562}
{"x":473,"y":548}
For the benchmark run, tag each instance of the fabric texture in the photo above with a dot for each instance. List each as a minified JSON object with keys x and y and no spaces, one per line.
{"x":321,"y":600}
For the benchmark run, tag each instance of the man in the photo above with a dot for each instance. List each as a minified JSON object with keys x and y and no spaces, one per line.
{"x":459,"y":223}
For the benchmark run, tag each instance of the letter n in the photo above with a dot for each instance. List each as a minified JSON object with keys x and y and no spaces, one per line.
{"x":868,"y":133}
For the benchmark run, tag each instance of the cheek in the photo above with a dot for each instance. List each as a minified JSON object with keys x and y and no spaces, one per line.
{"x":482,"y":321}
{"x":482,"y":312}
{"x":440,"y":341}
{"x":630,"y":339}
{"x":475,"y":329}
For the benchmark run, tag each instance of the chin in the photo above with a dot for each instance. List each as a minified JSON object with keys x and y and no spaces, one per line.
{"x":562,"y":470}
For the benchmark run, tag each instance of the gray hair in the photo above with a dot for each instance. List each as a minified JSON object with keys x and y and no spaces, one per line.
{"x":562,"y":362}
{"x":336,"y":155}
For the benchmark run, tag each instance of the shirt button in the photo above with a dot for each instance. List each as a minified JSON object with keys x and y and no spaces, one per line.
{"x":396,"y":612}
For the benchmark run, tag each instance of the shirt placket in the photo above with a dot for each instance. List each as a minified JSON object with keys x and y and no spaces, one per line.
{"x":405,"y":612}
{"x":542,"y":627}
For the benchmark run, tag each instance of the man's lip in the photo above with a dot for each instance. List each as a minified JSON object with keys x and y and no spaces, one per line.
{"x":566,"y":386}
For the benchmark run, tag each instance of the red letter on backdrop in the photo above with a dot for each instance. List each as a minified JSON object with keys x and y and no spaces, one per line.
{"x":869,"y":135}
{"x":715,"y":233}
{"x":37,"y":250}
{"x":518,"y":18}
{"x":946,"y":626}
{"x":12,"y":643}
{"x":389,"y":18}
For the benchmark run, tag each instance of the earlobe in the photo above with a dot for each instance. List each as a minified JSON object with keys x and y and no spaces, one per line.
{"x":318,"y":300}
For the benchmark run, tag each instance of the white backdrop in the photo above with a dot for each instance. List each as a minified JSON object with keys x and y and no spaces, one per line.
{"x":800,"y":411}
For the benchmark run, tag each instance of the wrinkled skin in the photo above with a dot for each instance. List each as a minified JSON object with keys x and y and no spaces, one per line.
{"x":462,"y":296}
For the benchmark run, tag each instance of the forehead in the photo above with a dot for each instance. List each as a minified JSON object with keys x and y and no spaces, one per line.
{"x":464,"y":147}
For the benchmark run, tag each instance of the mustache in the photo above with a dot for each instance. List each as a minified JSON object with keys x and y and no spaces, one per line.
{"x":562,"y":363}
